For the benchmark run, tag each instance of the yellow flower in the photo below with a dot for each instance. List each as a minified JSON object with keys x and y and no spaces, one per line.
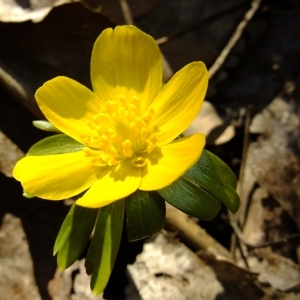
{"x":128,"y":125}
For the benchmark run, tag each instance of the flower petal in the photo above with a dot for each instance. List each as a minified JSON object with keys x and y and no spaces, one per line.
{"x":173,"y":161}
{"x":68,"y":105}
{"x":179,"y":102}
{"x":126,"y":62}
{"x":56,"y":177}
{"x":113,"y":185}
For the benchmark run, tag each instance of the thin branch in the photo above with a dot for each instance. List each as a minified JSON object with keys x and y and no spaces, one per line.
{"x":193,"y":234}
{"x":243,"y":210}
{"x":241,"y":215}
{"x":187,"y":29}
{"x":234,"y":38}
{"x":126,"y":12}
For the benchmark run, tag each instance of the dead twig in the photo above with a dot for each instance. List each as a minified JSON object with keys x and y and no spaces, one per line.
{"x":191,"y":27}
{"x":243,"y":210}
{"x":126,"y":12}
{"x":234,"y":38}
{"x":193,"y":234}
{"x":241,"y":216}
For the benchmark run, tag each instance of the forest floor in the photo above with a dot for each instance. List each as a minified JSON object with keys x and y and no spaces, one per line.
{"x":251,"y":118}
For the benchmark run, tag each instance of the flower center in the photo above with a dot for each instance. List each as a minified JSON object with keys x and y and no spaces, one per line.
{"x":121,"y":132}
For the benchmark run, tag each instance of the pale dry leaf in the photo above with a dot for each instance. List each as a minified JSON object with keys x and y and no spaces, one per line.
{"x":280,"y":272}
{"x":274,"y":159}
{"x":81,"y":286}
{"x":62,"y":285}
{"x":34,"y":10}
{"x":211,"y":125}
{"x":253,"y":229}
{"x":168,"y":270}
{"x":16,"y":268}
{"x":9,"y":155}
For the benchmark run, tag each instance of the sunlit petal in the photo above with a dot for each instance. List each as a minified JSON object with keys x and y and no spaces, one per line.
{"x":179,"y":102}
{"x":114,"y":184}
{"x":127,"y":126}
{"x":68,"y":105}
{"x":56,"y":177}
{"x":173,"y":161}
{"x":126,"y":62}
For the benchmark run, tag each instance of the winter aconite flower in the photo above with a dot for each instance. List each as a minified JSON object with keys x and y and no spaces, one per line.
{"x":128,"y":125}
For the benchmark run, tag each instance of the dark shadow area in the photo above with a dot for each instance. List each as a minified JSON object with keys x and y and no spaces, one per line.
{"x":127,"y":254}
{"x":228,"y":275}
{"x":41,"y":219}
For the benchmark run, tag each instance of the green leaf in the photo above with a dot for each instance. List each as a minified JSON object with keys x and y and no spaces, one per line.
{"x":45,"y":125}
{"x":190,"y":198}
{"x":74,"y":234}
{"x":213,"y":175}
{"x":56,"y":144}
{"x":145,"y":214}
{"x":105,"y":245}
{"x":199,"y":191}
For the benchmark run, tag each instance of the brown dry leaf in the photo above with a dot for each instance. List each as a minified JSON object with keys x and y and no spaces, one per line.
{"x":9,"y":155}
{"x":16,"y":268}
{"x":241,"y":284}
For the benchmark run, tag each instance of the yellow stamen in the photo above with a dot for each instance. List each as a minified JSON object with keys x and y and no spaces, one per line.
{"x":144,"y":133}
{"x":127,"y":152}
{"x":117,"y":121}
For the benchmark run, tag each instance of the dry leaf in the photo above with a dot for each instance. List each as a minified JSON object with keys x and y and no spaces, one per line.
{"x":16,"y":268}
{"x":63,"y":283}
{"x":9,"y":155}
{"x":167,"y":269}
{"x":210,"y":124}
{"x":34,"y":10}
{"x":274,"y":159}
{"x":280,"y":272}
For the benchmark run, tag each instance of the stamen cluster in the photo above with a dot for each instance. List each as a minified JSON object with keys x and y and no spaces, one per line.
{"x":121,"y":132}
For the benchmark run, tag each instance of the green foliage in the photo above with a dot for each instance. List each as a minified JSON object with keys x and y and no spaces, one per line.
{"x":74,"y":235}
{"x":145,"y":214}
{"x":56,"y":144}
{"x":199,"y":191}
{"x":105,"y":245}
